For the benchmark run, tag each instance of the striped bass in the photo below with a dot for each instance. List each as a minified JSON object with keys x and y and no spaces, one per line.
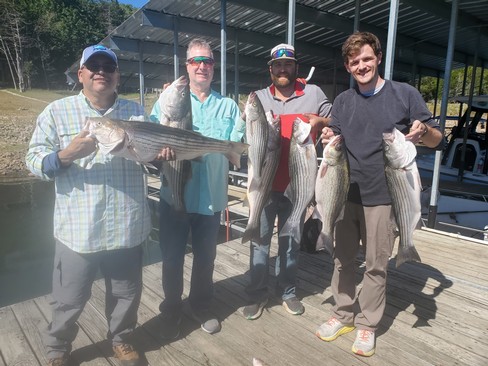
{"x":302,"y":165}
{"x":331,"y":189}
{"x":403,"y":180}
{"x":175,"y":104}
{"x":175,"y":111}
{"x":143,"y":141}
{"x":256,"y":134}
{"x":259,"y":190}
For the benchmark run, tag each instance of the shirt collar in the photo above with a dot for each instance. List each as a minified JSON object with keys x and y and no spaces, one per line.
{"x":299,"y":89}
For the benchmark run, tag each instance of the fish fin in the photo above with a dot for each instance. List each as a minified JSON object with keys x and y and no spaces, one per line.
{"x":407,"y":254}
{"x":322,"y":169}
{"x":245,"y":202}
{"x":316,"y":214}
{"x":289,"y":192}
{"x":251,"y":233}
{"x":293,"y":230}
{"x":340,"y":216}
{"x":236,"y":150}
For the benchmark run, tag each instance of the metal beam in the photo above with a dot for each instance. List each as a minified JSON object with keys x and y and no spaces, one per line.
{"x":346,"y":25}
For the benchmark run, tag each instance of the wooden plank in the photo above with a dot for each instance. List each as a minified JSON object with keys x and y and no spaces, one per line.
{"x":32,"y":322}
{"x":14,"y":345}
{"x":423,"y":308}
{"x":85,"y":350}
{"x":414,"y":335}
{"x":344,"y":343}
{"x":152,"y":348}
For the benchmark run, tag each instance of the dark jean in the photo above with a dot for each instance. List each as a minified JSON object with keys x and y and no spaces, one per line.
{"x":174,"y":232}
{"x":288,"y":252}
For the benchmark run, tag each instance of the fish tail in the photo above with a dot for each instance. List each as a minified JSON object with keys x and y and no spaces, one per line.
{"x":251,"y":233}
{"x":235,"y":152}
{"x":292,"y":229}
{"x":407,"y":254}
{"x":325,"y":241}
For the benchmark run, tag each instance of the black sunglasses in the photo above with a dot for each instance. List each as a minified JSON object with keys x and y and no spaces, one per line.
{"x":108,"y":68}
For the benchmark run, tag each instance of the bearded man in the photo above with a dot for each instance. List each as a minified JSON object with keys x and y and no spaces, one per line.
{"x":288,"y":98}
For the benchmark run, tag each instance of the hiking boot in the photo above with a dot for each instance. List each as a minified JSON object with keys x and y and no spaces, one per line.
{"x":293,"y":306}
{"x":254,"y":311}
{"x":59,"y":361}
{"x":332,"y":329}
{"x":170,"y":325}
{"x":126,"y":354}
{"x":208,"y":322}
{"x":364,"y":343}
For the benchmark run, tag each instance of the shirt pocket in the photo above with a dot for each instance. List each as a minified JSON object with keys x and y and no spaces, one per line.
{"x":66,"y":134}
{"x":222,"y":127}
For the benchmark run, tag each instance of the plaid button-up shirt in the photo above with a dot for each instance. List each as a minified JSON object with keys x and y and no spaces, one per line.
{"x":100,"y":199}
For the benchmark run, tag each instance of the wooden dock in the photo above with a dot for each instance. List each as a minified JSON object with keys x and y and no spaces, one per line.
{"x":436,"y":314}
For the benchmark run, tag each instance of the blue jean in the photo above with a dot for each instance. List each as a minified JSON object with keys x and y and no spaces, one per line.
{"x":174,"y":230}
{"x":288,"y":252}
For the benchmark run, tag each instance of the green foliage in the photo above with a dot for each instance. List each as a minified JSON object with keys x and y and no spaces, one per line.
{"x":56,"y":31}
{"x":456,"y":87}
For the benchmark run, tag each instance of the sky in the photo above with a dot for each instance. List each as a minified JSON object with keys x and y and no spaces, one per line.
{"x":135,"y":3}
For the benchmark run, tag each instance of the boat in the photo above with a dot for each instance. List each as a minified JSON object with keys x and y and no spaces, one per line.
{"x":462,"y":204}
{"x":464,"y":158}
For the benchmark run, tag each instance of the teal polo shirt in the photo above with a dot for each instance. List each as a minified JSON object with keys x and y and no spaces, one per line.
{"x":206,"y":190}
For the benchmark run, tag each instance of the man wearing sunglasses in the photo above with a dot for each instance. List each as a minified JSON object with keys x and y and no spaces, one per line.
{"x":205,"y":196}
{"x":289,"y":98}
{"x":101,"y":216}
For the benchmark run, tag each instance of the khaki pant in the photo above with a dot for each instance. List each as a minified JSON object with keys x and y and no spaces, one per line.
{"x":374,"y":228}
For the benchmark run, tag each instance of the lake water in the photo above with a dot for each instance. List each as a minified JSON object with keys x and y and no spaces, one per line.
{"x":27,"y":242}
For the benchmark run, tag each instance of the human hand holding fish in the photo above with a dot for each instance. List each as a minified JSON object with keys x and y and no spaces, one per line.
{"x":166,"y":154}
{"x":82,"y":145}
{"x":317,"y":122}
{"x":417,"y":131}
{"x":327,"y":135}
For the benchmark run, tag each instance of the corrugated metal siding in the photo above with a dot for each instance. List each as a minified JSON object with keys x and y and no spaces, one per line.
{"x":421,"y":45}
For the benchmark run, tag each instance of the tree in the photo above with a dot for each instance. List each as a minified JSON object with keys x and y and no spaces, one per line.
{"x":49,"y":35}
{"x":13,"y":41}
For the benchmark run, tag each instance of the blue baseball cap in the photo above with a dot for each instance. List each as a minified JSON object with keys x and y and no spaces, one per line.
{"x":97,"y":49}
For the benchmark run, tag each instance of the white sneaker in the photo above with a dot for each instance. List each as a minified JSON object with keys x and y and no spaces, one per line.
{"x":364,"y":345}
{"x":332,"y":329}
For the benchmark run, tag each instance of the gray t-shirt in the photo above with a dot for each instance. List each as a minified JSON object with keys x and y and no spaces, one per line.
{"x":362,"y":120}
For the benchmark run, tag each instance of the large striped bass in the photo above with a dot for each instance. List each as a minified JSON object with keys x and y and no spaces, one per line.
{"x":143,"y":141}
{"x":256,"y":134}
{"x":331,"y":189}
{"x":259,"y":188}
{"x":403,"y":180}
{"x":175,"y":111}
{"x":302,"y":165}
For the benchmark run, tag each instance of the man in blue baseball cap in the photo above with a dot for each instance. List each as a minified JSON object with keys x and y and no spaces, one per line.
{"x":97,"y":50}
{"x":101,"y":216}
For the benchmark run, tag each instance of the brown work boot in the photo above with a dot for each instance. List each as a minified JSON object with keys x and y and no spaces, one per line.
{"x":59,"y":361}
{"x":127,"y":355}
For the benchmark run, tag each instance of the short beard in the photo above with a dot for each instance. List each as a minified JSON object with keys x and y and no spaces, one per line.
{"x":279,"y":82}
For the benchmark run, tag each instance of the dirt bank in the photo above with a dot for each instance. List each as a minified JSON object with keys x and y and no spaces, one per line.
{"x":17,"y":120}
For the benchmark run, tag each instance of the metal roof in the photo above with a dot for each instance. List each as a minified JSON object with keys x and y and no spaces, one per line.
{"x":321,"y":26}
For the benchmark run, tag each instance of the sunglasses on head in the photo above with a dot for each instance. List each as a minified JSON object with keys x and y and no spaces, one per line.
{"x":196,"y":61}
{"x":94,"y":67}
{"x":283,"y":52}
